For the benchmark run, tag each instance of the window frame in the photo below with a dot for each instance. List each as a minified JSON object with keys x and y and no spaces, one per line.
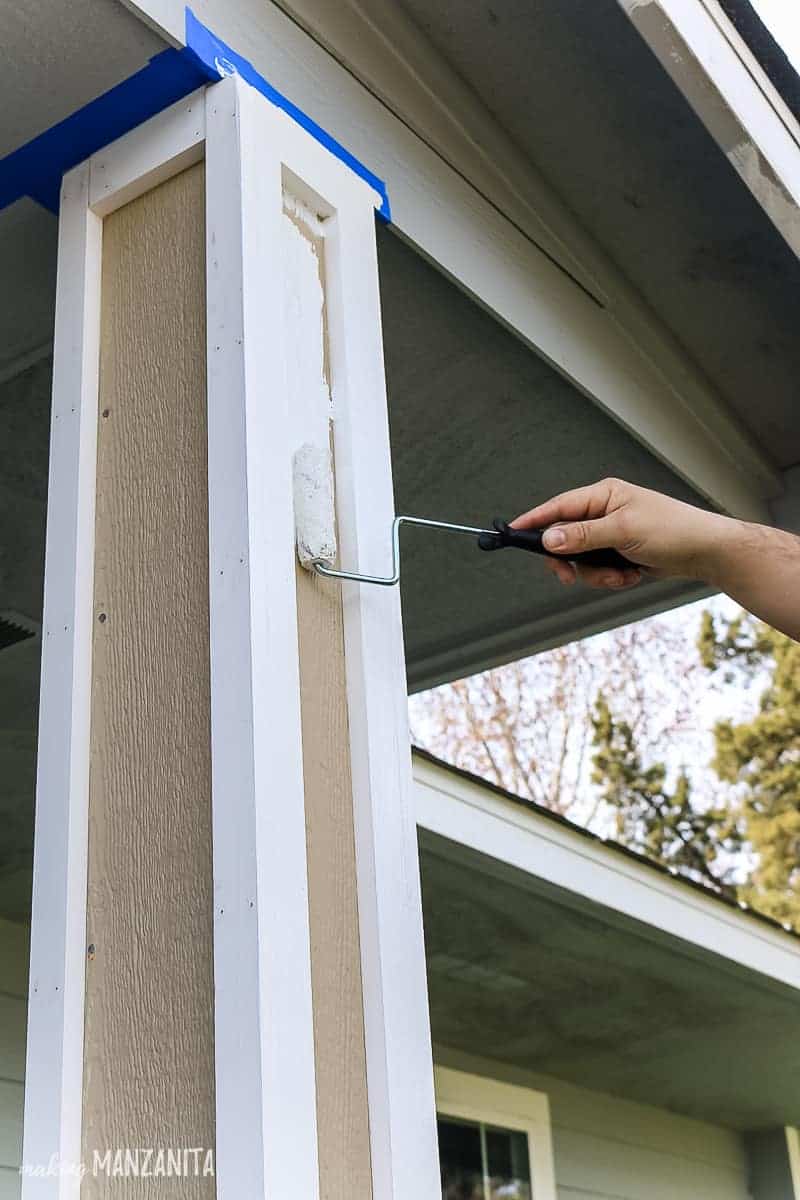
{"x":478,"y":1098}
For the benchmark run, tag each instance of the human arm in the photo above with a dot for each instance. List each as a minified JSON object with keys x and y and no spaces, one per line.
{"x":755,"y":564}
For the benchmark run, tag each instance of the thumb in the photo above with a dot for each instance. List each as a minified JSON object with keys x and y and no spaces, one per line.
{"x":573,"y":537}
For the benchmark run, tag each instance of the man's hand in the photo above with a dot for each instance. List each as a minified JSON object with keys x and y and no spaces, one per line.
{"x":664,"y":536}
{"x":755,"y":564}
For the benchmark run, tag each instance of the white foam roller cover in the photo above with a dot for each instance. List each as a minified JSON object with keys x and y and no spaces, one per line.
{"x":314,"y":512}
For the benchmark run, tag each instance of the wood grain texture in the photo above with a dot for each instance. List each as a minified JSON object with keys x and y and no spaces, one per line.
{"x":342,"y":1112}
{"x":148,"y":1056}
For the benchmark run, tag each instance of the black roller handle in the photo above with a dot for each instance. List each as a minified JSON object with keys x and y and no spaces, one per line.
{"x":531,"y":539}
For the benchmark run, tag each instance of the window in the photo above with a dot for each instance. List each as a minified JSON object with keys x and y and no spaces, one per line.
{"x":494,"y":1139}
{"x":481,"y":1162}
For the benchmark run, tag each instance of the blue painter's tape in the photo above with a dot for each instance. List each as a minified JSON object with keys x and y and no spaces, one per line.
{"x":36,"y":168}
{"x":215,"y":56}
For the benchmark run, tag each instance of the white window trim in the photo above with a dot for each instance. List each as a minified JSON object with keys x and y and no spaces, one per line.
{"x":477,"y":1098}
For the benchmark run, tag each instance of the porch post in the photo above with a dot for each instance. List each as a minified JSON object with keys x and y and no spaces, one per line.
{"x":120,"y":1055}
{"x":227,"y":926}
{"x":295,"y":356}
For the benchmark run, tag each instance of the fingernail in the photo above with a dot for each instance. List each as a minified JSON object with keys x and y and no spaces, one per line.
{"x":553,"y":538}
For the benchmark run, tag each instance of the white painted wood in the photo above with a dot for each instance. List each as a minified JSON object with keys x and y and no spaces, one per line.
{"x":397,"y":1034}
{"x":476,"y":1098}
{"x":250,"y":500}
{"x":505,"y":831}
{"x":168,"y":143}
{"x":748,"y":58}
{"x":759,"y":137}
{"x":636,"y":374}
{"x":55,"y":1015}
{"x":266,"y":1125}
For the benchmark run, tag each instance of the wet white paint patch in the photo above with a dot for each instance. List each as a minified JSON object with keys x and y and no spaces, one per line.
{"x":309,"y":396}
{"x":314,"y":513}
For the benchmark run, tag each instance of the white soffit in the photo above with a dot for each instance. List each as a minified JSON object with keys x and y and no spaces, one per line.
{"x":471,"y":815}
{"x":54,"y":58}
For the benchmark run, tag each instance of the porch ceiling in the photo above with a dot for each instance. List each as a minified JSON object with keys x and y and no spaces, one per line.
{"x":530,"y":976}
{"x":588,"y":103}
{"x":54,"y":58}
{"x":481,"y":427}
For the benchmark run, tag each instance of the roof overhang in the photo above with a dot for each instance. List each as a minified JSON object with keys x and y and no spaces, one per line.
{"x":551,"y":951}
{"x":720,"y":76}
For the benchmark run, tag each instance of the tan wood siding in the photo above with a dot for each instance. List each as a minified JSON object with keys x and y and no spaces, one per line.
{"x":342,"y":1111}
{"x":148,"y":1054}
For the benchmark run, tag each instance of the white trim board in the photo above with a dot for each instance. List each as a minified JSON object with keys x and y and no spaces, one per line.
{"x":653,"y":393}
{"x":264,"y":1049}
{"x":54,"y":1056}
{"x":476,"y":817}
{"x":707,"y":60}
{"x":263,"y":989}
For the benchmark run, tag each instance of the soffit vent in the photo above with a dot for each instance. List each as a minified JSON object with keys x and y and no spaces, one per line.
{"x":16,"y":628}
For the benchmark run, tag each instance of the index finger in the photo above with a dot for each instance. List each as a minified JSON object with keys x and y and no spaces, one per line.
{"x":576,"y":505}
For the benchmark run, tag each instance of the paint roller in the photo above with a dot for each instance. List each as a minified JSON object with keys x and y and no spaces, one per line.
{"x":315,"y":522}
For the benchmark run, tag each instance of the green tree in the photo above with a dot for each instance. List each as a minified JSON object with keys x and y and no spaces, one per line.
{"x":760,"y":757}
{"x":663,"y":822}
{"x":583,"y":729}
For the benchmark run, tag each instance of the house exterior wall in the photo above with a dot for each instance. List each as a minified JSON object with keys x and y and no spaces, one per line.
{"x":603,"y":1147}
{"x":13,"y":1005}
{"x":610,"y":1149}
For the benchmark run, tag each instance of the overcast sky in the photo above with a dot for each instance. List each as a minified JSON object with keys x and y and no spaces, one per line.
{"x":782,"y":17}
